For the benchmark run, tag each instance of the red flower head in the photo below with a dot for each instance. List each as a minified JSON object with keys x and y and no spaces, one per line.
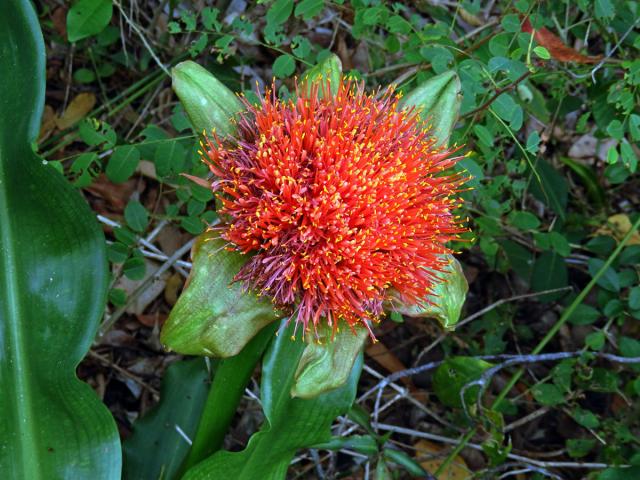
{"x":340,"y":198}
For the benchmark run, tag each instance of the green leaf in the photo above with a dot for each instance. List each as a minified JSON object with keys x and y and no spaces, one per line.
{"x":123,"y":163}
{"x":445,"y":301}
{"x":134,"y":268}
{"x":208,"y":102}
{"x":548,"y":394}
{"x":549,"y":272}
{"x":609,"y":280}
{"x":619,"y":473}
{"x":284,"y":66}
{"x":327,"y":360}
{"x":279,"y":12}
{"x":585,"y":418}
{"x":453,"y":375}
{"x":634,"y":127}
{"x":307,"y":9}
{"x":595,"y":340}
{"x":169,"y":158}
{"x":524,"y":220}
{"x":542,"y":52}
{"x":87,"y":18}
{"x":511,"y":23}
{"x":157,"y":448}
{"x":604,"y":9}
{"x":405,"y":461}
{"x":584,"y":315}
{"x":136,"y":216}
{"x":53,"y":279}
{"x":439,"y":101}
{"x":365,"y":444}
{"x":579,"y":447}
{"x":290,"y":423}
{"x":230,"y":380}
{"x":215,"y":316}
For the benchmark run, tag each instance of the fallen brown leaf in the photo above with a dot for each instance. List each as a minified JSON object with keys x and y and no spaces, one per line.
{"x":115,"y":195}
{"x":457,"y":469}
{"x":77,"y":109}
{"x":618,"y":226}
{"x":558,"y":50}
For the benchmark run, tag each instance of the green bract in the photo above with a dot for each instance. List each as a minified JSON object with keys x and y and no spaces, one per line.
{"x":327,"y":362}
{"x":215,"y":316}
{"x":209,"y":104}
{"x":329,"y":70}
{"x":446,"y":299}
{"x":439,"y":101}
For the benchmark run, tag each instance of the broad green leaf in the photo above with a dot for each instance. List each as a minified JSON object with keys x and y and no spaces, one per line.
{"x":327,"y":360}
{"x":53,"y":279}
{"x":208,"y":102}
{"x":215,"y":316}
{"x":230,"y":380}
{"x":157,"y":446}
{"x":439,"y":101}
{"x":445,"y":301}
{"x":87,"y":18}
{"x":290,"y":423}
{"x":452,"y":376}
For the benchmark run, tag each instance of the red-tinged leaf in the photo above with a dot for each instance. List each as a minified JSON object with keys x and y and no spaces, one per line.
{"x":558,"y":50}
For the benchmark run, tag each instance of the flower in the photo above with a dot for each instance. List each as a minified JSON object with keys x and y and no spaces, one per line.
{"x":341,"y":199}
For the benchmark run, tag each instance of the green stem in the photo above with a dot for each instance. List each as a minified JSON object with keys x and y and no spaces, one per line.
{"x":543,"y":343}
{"x":231,"y":378}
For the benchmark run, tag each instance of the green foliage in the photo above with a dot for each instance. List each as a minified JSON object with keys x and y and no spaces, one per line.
{"x":53,"y":278}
